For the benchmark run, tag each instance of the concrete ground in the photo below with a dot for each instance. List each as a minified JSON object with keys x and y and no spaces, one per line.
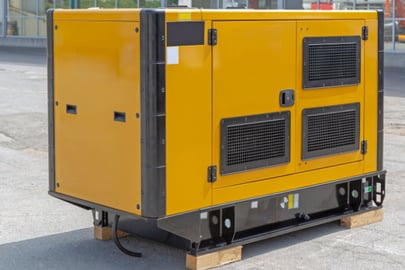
{"x":40,"y":232}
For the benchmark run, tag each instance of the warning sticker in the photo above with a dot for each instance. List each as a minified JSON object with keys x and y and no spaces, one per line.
{"x":284,"y":202}
{"x":292,"y":201}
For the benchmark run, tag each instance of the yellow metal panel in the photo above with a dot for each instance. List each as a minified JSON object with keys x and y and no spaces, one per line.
{"x":370,"y":98}
{"x":261,"y":15}
{"x":188,"y":129}
{"x":97,"y":69}
{"x":172,"y":15}
{"x":328,"y":96}
{"x":184,"y":16}
{"x":284,"y":183}
{"x":252,"y":62}
{"x":130,"y":15}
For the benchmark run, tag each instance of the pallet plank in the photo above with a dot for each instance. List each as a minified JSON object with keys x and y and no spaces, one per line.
{"x":105,"y":233}
{"x":363,"y":219}
{"x":214,"y":259}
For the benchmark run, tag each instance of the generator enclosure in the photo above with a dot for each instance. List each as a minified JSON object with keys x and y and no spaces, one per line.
{"x":218,"y":126}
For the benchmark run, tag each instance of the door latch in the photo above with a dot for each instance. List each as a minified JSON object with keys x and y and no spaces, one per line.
{"x":287,"y":98}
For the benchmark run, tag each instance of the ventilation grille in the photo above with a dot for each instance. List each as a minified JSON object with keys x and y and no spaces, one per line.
{"x":254,"y":141}
{"x":331,"y":61}
{"x":330,"y":130}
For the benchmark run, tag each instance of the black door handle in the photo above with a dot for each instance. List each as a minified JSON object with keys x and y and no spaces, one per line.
{"x":286,"y":98}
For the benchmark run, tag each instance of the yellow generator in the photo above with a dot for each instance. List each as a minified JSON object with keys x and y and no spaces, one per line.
{"x":219,"y":127}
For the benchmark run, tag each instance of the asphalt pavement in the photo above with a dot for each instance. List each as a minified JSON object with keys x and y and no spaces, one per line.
{"x":394,"y":79}
{"x":41,"y":232}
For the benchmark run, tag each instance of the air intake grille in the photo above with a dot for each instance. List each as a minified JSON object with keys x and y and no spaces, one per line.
{"x":331,"y":61}
{"x":254,"y":141}
{"x":330,"y":130}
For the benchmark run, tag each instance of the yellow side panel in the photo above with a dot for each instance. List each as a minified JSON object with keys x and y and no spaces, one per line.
{"x":128,"y":15}
{"x":252,"y":63}
{"x":284,"y":183}
{"x":173,"y":15}
{"x":188,"y":129}
{"x":371,"y":86}
{"x":97,"y":70}
{"x":328,"y":96}
{"x":291,"y":15}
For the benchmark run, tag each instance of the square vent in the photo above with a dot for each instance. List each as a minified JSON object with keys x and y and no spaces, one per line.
{"x":256,"y":141}
{"x":330,"y":130}
{"x":331,"y":61}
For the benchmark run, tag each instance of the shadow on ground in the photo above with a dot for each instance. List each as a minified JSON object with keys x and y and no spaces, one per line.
{"x":290,"y":239}
{"x":78,"y":250}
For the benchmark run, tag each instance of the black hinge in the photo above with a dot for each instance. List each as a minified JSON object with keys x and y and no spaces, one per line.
{"x":212,"y":174}
{"x":212,"y":36}
{"x":364,"y":33}
{"x":363,"y":147}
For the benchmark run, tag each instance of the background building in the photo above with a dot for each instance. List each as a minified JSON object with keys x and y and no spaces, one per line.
{"x":23,"y":22}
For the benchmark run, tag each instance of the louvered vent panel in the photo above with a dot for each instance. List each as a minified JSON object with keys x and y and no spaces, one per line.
{"x":330,"y":130}
{"x":331,"y":61}
{"x":254,"y":141}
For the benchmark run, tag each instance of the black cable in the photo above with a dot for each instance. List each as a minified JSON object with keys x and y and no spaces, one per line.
{"x":117,"y":242}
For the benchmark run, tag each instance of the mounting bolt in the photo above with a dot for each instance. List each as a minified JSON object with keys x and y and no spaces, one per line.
{"x":228,"y":223}
{"x":214,"y":220}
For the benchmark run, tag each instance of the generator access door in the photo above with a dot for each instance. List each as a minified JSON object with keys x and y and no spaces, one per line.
{"x":331,"y":93}
{"x":254,"y":76}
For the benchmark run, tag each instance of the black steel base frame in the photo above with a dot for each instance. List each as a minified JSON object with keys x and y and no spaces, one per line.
{"x":243,"y":222}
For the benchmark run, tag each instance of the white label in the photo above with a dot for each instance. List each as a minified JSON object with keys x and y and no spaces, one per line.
{"x":172,"y":55}
{"x":296,"y":200}
{"x":254,"y":204}
{"x":378,"y":187}
{"x":204,"y":215}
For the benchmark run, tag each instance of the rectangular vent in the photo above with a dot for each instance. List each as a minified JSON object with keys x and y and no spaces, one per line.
{"x":330,"y":130}
{"x":256,"y":141}
{"x":331,"y":61}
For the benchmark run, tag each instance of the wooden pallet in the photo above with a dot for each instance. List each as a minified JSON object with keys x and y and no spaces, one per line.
{"x":105,"y":233}
{"x":363,"y":219}
{"x":234,"y":254}
{"x":214,"y":259}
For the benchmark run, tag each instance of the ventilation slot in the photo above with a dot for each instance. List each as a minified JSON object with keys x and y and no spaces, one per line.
{"x":254,"y":141}
{"x":330,"y":130}
{"x":331,"y":61}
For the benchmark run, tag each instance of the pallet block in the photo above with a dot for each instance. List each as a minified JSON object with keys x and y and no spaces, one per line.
{"x":363,"y":219}
{"x":105,"y":233}
{"x":214,"y":259}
